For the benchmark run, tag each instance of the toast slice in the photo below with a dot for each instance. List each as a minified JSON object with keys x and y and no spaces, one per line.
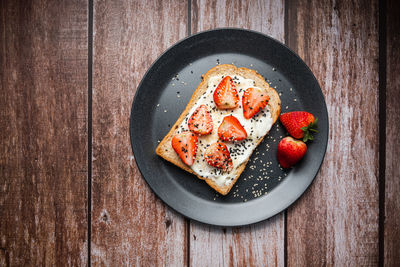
{"x":273,"y":108}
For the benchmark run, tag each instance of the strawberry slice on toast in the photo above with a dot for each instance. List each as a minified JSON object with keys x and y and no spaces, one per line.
{"x":231,"y":129}
{"x":200,"y":122}
{"x":225,"y":95}
{"x":217,"y":155}
{"x":185,"y":145}
{"x":253,"y":101}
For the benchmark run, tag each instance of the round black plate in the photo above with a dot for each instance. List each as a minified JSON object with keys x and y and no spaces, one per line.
{"x":263,"y":189}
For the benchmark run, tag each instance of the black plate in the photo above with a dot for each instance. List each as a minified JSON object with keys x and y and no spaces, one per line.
{"x":263,"y":189}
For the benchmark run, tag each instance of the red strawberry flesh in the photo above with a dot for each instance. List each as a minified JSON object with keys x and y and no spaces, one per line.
{"x":231,"y":129}
{"x":217,"y":155}
{"x":200,"y":122}
{"x":185,"y":145}
{"x":253,"y":101}
{"x":225,"y":95}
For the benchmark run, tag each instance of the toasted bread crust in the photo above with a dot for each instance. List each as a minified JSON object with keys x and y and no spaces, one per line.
{"x":165,"y":150}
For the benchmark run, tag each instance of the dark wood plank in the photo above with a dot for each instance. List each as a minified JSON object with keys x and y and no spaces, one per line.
{"x":336,"y":221}
{"x":263,"y":243}
{"x":392,"y":184}
{"x":43,"y":137}
{"x":130,"y":225}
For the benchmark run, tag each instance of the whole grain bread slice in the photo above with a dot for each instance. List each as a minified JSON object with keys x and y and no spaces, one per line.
{"x":165,"y":150}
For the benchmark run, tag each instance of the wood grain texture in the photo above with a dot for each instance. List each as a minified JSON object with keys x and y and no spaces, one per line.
{"x":263,"y":243}
{"x":392,"y":184}
{"x":336,"y":221}
{"x":263,"y":16}
{"x":259,"y":244}
{"x":43,"y":137}
{"x":130,"y":225}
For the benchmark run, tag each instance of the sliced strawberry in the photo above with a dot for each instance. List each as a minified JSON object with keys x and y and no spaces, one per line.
{"x":217,"y":155}
{"x":253,"y":101}
{"x":231,"y":129}
{"x":299,"y":124}
{"x":201,"y":122}
{"x":226,"y":95}
{"x":290,"y":151}
{"x":185,"y":145}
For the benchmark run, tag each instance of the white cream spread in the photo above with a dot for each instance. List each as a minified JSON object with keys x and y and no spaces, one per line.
{"x":256,"y":128}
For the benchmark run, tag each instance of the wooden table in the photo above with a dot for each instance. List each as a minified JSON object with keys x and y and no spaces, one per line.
{"x":71,"y":194}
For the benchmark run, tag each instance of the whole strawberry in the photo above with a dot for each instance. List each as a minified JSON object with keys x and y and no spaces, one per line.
{"x":290,"y":151}
{"x":300,"y":124}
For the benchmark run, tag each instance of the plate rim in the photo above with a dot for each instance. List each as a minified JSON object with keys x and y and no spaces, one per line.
{"x":210,"y":222}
